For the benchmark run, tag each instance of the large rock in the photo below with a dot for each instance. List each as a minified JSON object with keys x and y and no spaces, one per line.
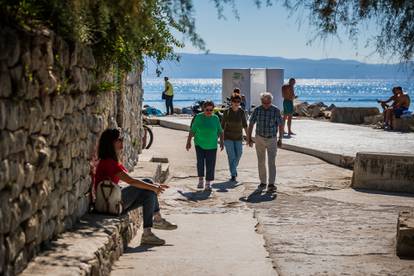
{"x":405,"y":234}
{"x":352,"y":115}
{"x":384,"y":172}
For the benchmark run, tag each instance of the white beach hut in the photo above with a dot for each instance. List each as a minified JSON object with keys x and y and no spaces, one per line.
{"x":252,"y":82}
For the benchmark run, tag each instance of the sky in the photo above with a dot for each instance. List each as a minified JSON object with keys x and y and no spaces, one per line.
{"x":272,"y":31}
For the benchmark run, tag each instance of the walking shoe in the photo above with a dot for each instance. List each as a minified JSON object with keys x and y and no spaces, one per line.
{"x":207,"y":188}
{"x":233,"y":179}
{"x":151,"y":239}
{"x":163,"y":224}
{"x":200,"y":184}
{"x":261,"y":186}
{"x":271,"y":188}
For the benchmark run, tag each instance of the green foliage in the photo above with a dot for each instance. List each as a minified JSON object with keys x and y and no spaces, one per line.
{"x":120,"y":32}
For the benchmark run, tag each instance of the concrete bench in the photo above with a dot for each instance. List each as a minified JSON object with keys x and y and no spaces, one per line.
{"x":405,"y":235}
{"x":384,"y":171}
{"x":403,"y":124}
{"x":352,"y":115}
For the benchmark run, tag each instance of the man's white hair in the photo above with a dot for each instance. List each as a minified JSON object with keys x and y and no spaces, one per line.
{"x":265,"y":95}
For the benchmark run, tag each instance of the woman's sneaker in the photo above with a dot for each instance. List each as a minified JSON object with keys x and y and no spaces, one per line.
{"x":200,"y":184}
{"x":207,"y":188}
{"x":163,"y":224}
{"x":151,"y":239}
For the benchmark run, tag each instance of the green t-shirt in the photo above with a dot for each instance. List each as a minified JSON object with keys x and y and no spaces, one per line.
{"x":169,"y":90}
{"x":233,"y":123}
{"x":206,"y":129}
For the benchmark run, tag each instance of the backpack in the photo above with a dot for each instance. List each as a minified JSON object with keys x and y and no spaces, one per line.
{"x":108,"y":198}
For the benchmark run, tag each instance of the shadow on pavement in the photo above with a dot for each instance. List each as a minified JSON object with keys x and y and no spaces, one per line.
{"x":257,"y":197}
{"x":222,"y":187}
{"x":383,"y":193}
{"x":196,"y":196}
{"x":142,"y":248}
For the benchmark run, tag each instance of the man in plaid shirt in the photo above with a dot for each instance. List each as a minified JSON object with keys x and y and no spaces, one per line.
{"x":268,"y":120}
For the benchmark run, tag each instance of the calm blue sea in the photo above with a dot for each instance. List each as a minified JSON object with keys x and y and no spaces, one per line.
{"x":341,"y":92}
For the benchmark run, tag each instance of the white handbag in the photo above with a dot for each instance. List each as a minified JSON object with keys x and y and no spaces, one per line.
{"x":108,"y":198}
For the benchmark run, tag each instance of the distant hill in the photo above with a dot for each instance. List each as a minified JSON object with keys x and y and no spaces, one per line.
{"x":210,"y":66}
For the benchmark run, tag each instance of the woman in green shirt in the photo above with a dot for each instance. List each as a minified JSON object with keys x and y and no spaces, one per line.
{"x":233,"y":122}
{"x":205,"y":129}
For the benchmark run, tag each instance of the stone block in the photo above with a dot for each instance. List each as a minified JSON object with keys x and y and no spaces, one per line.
{"x":3,"y":113}
{"x":18,"y":80}
{"x":29,"y":173}
{"x":32,"y":228}
{"x":374,"y":119}
{"x":20,"y":141}
{"x":48,"y":126}
{"x":352,"y":115}
{"x":384,"y":172}
{"x":405,"y":234}
{"x":25,"y":205}
{"x":43,"y":190}
{"x":6,"y":139}
{"x":33,"y":89}
{"x":4,"y":173}
{"x":48,"y":230}
{"x":42,"y":165}
{"x":15,"y":216}
{"x":404,"y":124}
{"x":46,"y":103}
{"x":17,"y":178}
{"x":20,"y":263}
{"x":35,"y":117}
{"x":15,"y":243}
{"x":5,"y":84}
{"x":58,"y":107}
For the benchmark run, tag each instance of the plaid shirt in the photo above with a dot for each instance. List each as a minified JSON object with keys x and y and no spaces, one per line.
{"x":267,"y":121}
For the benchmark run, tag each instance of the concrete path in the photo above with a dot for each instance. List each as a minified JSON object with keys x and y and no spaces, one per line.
{"x":342,"y":139}
{"x":204,"y":244}
{"x":316,"y":225}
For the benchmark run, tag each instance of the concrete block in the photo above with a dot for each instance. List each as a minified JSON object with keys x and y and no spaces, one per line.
{"x":352,"y":115}
{"x":384,"y":171}
{"x":404,"y":124}
{"x":405,"y":234}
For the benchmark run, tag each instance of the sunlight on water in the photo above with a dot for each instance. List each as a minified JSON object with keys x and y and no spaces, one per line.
{"x":341,"y":92}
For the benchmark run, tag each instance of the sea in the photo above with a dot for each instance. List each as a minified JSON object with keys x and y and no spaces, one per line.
{"x":340,"y":92}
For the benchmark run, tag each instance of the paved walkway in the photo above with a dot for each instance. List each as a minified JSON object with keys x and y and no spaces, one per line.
{"x":316,"y":225}
{"x":340,"y":139}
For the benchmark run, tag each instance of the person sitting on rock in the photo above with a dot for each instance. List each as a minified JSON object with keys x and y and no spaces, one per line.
{"x":400,"y":104}
{"x":137,"y":193}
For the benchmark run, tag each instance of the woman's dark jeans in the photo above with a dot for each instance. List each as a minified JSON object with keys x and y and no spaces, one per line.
{"x":207,"y":159}
{"x":133,"y":197}
{"x":169,"y":104}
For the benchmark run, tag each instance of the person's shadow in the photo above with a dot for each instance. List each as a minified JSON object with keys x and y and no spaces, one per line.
{"x":257,"y":196}
{"x":223,"y":187}
{"x":196,"y":196}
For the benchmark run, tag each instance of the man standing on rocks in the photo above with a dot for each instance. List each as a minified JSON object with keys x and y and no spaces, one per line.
{"x":169,"y":94}
{"x":268,"y":119}
{"x":288,"y":94}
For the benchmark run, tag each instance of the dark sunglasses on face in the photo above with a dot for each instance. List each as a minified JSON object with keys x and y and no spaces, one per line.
{"x":235,"y":101}
{"x":208,"y":110}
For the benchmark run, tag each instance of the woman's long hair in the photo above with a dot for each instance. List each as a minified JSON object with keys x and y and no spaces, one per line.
{"x":106,"y":147}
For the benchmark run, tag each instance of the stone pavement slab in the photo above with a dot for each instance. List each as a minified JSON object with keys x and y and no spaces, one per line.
{"x":203,"y":244}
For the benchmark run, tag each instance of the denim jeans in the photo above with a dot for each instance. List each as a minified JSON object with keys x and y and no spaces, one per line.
{"x":133,"y":197}
{"x":169,"y":104}
{"x":206,"y":159}
{"x":234,"y":151}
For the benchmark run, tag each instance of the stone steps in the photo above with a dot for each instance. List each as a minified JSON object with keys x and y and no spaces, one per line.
{"x":94,"y":243}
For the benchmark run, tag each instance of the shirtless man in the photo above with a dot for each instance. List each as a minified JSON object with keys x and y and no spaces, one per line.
{"x":401,"y":103}
{"x":288,"y":94}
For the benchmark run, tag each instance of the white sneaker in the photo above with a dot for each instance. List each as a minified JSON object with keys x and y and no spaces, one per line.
{"x":151,"y":239}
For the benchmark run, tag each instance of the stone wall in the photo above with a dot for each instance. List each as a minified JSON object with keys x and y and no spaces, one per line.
{"x":52,"y":111}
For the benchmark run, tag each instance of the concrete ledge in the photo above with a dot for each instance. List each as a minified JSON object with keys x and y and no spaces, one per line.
{"x":404,"y":124}
{"x":405,"y":235}
{"x":352,"y":115}
{"x":94,"y":243}
{"x":174,"y":125}
{"x":90,"y":248}
{"x":384,"y":172}
{"x":340,"y":160}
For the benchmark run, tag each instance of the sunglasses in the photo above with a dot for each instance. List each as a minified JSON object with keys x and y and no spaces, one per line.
{"x":235,"y":101}
{"x":208,"y":110}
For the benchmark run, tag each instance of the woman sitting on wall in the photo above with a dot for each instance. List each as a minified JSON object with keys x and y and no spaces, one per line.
{"x":137,"y":193}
